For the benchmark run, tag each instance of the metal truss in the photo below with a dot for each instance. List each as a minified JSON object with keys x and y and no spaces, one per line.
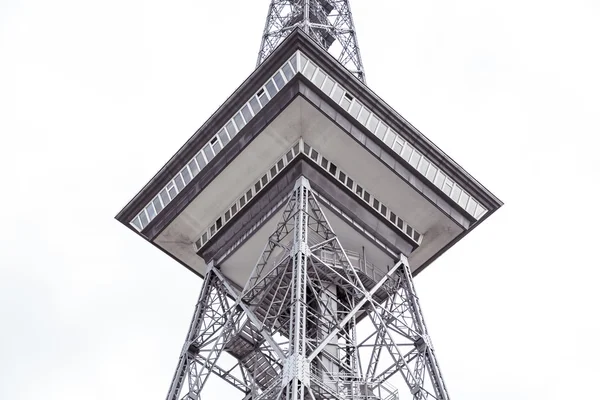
{"x":292,"y":330}
{"x":329,"y":22}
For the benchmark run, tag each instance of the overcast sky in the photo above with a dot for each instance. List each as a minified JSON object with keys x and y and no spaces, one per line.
{"x":95,"y":96}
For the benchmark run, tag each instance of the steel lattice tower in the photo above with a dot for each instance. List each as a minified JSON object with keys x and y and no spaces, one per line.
{"x":307,"y":204}
{"x":329,"y":22}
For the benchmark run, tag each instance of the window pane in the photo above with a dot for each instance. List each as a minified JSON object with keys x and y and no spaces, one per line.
{"x":372,"y":125}
{"x":456,"y":192}
{"x":255,"y":105}
{"x":200,"y":160}
{"x":231,"y":130}
{"x":271,"y":88}
{"x":143,"y":219}
{"x":310,"y":70}
{"x":193,"y":167}
{"x":239,"y":121}
{"x":263,"y":99}
{"x":439,"y":179}
{"x":287,"y":70}
{"x":471,"y":205}
{"x":172,"y":191}
{"x":415,"y":158}
{"x":165,"y":197}
{"x":431,"y":172}
{"x":319,"y":78}
{"x":303,"y":62}
{"x":398,"y":145}
{"x":345,"y":103}
{"x":150,"y":211}
{"x":389,"y":138}
{"x":246,"y":113}
{"x":381,"y":129}
{"x":424,"y":166}
{"x":364,"y":114}
{"x":157,"y":204}
{"x":355,"y":109}
{"x":327,"y":86}
{"x":406,"y":152}
{"x":278,"y":78}
{"x":223,"y":136}
{"x":136,"y":223}
{"x":187,"y":177}
{"x":179,"y":182}
{"x":462,"y":201}
{"x":337,"y":93}
{"x":293,"y":62}
{"x":208,"y":153}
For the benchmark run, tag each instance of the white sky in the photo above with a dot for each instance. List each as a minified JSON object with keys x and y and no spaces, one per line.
{"x":96,"y":96}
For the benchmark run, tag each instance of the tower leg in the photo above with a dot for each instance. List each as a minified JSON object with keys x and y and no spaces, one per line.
{"x":297,"y":315}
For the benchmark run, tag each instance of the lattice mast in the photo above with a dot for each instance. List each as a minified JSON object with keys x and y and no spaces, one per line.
{"x":329,"y":22}
{"x":292,"y":328}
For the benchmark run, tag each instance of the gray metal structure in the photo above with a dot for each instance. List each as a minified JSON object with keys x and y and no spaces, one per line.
{"x":307,"y":204}
{"x":293,"y":327}
{"x":328,"y":22}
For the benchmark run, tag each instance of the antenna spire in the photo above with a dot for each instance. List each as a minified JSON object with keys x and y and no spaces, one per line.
{"x":329,"y":22}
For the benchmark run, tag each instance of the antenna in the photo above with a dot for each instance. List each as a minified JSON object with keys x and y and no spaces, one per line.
{"x":328,"y":22}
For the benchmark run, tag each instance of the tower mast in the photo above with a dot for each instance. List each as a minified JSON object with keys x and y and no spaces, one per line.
{"x":328,"y":22}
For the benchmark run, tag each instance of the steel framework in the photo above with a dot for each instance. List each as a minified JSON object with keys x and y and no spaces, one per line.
{"x":329,"y":22}
{"x":293,"y":330}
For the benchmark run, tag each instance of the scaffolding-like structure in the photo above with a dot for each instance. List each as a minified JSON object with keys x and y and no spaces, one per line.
{"x":328,"y":22}
{"x":293,"y":328}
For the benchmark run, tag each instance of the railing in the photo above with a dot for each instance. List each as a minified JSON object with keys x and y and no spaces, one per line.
{"x":357,"y":261}
{"x":352,"y":387}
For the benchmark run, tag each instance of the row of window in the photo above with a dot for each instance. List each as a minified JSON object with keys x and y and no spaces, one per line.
{"x":216,"y":143}
{"x":374,"y":124}
{"x":248,"y":195}
{"x":360,"y":192}
{"x":325,"y":164}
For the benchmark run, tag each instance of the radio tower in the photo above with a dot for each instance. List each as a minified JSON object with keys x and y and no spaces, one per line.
{"x":328,"y":22}
{"x":307,"y":204}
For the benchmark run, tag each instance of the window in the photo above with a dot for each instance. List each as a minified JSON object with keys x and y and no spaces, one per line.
{"x":303,"y":61}
{"x":179,"y":183}
{"x":257,"y":187}
{"x":349,"y":182}
{"x":381,"y":130}
{"x":219,"y":223}
{"x":172,"y":190}
{"x":280,"y":165}
{"x":227,"y":215}
{"x":359,"y":190}
{"x":319,"y":78}
{"x":143,"y":219}
{"x":264,"y":179}
{"x":324,"y":163}
{"x":424,"y":166}
{"x":231,"y":130}
{"x":239,"y":121}
{"x":157,"y":204}
{"x":150,"y":211}
{"x":414,"y":159}
{"x":398,"y":145}
{"x":165,"y":197}
{"x":287,"y":70}
{"x":271,"y":88}
{"x":273,"y":171}
{"x":262,"y":97}
{"x":193,"y":166}
{"x":364,"y":114}
{"x":223,"y":136}
{"x":332,"y":168}
{"x":345,"y":102}
{"x":246,"y":113}
{"x":373,"y":123}
{"x":366,"y":196}
{"x":289,"y":156}
{"x":337,"y":94}
{"x":234,"y":209}
{"x":201,"y":160}
{"x":392,"y":217}
{"x":278,"y":78}
{"x":255,"y":105}
{"x":314,"y":155}
{"x":342,"y":177}
{"x":383,"y":210}
{"x":136,"y":223}
{"x":327,"y":86}
{"x":249,"y":195}
{"x":375,"y":204}
{"x":187,"y":177}
{"x":216,"y":145}
{"x":310,"y":70}
{"x":242,"y":201}
{"x":356,"y":107}
{"x":462,"y":201}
